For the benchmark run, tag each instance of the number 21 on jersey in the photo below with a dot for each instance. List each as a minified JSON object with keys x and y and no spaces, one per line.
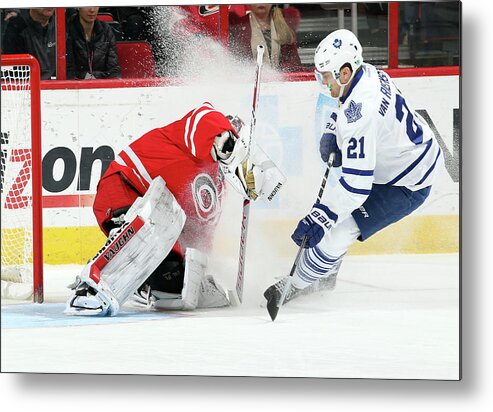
{"x":356,"y":148}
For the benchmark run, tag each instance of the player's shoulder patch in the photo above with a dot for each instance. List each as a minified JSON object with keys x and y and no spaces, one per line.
{"x":353,"y":112}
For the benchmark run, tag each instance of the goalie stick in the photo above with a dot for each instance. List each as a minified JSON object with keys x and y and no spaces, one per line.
{"x":273,"y":305}
{"x":246,"y":203}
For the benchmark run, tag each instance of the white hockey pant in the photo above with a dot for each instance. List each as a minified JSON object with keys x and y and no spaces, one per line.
{"x":325,"y":258}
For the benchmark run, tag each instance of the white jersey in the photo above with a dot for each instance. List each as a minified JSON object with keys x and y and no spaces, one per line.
{"x":382,"y":140}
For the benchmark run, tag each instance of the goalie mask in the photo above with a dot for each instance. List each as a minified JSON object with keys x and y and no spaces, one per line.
{"x":223,"y":146}
{"x":236,"y":122}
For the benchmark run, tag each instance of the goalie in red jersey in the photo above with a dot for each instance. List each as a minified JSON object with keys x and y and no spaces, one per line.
{"x":159,"y":202}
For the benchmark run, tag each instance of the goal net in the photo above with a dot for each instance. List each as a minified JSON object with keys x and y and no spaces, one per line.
{"x":20,"y":179}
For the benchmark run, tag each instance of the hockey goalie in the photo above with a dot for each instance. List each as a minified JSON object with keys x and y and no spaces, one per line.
{"x":159,"y":202}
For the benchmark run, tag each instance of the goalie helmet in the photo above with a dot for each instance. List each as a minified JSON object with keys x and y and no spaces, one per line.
{"x":337,"y":49}
{"x":236,"y":122}
{"x":223,"y":146}
{"x":229,"y":147}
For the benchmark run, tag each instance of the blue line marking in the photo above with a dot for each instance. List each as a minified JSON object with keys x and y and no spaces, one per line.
{"x":49,"y":315}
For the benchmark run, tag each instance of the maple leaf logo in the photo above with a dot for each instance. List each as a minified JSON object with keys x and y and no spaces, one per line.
{"x":353,"y":112}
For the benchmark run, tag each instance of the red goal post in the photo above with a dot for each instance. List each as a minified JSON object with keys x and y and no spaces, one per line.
{"x":21,"y":178}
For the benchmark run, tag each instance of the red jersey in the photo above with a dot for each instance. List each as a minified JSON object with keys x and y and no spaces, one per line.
{"x":205,"y":18}
{"x":201,"y":19}
{"x":180,"y":154}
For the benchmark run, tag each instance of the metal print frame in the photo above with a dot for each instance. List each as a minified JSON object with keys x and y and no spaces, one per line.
{"x":395,"y":312}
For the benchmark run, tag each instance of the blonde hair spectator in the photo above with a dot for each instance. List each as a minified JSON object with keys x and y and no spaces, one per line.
{"x":284,"y":32}
{"x":265,"y":25}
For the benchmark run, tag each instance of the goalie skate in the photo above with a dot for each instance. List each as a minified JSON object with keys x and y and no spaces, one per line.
{"x":91,"y":299}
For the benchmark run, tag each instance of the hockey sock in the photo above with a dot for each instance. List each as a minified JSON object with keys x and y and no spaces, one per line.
{"x":314,"y":264}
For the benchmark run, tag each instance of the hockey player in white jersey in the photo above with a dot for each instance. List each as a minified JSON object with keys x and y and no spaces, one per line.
{"x":389,"y":158}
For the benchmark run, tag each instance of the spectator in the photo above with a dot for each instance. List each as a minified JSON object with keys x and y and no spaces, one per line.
{"x":91,"y":47}
{"x":410,"y":19}
{"x":6,"y":15}
{"x":265,"y":25}
{"x":133,"y":21}
{"x":34,"y":34}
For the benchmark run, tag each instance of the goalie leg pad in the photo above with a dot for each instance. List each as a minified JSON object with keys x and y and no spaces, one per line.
{"x":152,"y":226}
{"x":199,"y":290}
{"x":212,"y":294}
{"x":195,"y":265}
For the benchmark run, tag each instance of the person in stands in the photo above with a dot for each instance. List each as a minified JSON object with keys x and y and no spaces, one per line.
{"x":91,"y":47}
{"x":265,"y":24}
{"x":33,"y":33}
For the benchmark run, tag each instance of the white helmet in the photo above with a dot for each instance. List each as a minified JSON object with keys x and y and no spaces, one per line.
{"x":337,"y":49}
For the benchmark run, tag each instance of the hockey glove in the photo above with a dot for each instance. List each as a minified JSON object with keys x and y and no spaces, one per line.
{"x":328,"y":145}
{"x":314,"y":226}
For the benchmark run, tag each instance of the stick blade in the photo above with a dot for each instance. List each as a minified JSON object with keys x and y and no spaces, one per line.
{"x":272,"y":308}
{"x":273,"y":296}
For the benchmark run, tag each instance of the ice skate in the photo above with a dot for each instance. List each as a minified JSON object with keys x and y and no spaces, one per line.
{"x":273,"y":293}
{"x":327,"y":283}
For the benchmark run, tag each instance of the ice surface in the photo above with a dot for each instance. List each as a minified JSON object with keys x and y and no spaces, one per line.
{"x":393,"y":316}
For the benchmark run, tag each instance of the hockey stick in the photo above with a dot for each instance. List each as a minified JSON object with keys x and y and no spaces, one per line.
{"x":272,"y":306}
{"x":246,"y":203}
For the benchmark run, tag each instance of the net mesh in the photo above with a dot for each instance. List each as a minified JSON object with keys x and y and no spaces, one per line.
{"x":15,"y":179}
